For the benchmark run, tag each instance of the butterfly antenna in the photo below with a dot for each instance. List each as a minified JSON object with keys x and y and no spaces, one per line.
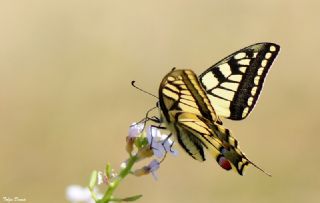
{"x":260,"y":169}
{"x":138,"y":88}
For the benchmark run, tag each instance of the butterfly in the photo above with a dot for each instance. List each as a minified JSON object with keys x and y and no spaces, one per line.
{"x":191,"y":107}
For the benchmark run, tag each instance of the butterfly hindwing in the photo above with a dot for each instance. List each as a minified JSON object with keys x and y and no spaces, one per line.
{"x":190,"y":143}
{"x":233,"y":85}
{"x":213,"y":137}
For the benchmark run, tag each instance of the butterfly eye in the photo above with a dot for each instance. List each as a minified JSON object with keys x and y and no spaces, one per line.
{"x":224,"y":163}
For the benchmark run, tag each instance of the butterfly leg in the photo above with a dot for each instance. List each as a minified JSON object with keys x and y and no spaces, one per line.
{"x":152,"y":136}
{"x":165,"y":150}
{"x":147,"y":115}
{"x":163,"y":142}
{"x":147,"y":118}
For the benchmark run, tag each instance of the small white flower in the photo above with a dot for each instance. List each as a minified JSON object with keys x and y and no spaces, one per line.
{"x":150,"y":168}
{"x":135,"y":129}
{"x":113,"y":174}
{"x":77,"y":193}
{"x":123,"y":164}
{"x":160,"y":143}
{"x":153,"y":166}
{"x":102,"y":178}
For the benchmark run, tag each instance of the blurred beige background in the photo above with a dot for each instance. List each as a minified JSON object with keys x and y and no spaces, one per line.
{"x":66,"y":101}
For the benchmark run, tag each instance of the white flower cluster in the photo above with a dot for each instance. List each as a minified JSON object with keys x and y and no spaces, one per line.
{"x":159,"y":143}
{"x":77,"y":193}
{"x":152,"y":143}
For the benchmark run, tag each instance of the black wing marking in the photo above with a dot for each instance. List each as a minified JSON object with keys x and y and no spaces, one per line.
{"x":198,"y":132}
{"x":180,"y":90}
{"x":233,"y":84}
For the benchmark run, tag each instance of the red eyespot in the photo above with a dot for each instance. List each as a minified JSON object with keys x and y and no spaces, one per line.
{"x":224,"y":163}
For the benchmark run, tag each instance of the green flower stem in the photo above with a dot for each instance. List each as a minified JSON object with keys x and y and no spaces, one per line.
{"x":113,"y":185}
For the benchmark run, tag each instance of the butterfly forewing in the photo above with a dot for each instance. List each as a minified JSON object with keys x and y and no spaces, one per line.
{"x":233,"y":85}
{"x":180,"y":90}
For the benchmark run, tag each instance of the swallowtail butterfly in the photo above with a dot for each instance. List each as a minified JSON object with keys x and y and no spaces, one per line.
{"x":191,"y":106}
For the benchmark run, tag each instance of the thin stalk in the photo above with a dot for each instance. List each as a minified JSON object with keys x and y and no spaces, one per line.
{"x":113,"y":185}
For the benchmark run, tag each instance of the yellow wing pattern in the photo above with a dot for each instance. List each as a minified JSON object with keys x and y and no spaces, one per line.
{"x":187,"y":112}
{"x":233,"y":85}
